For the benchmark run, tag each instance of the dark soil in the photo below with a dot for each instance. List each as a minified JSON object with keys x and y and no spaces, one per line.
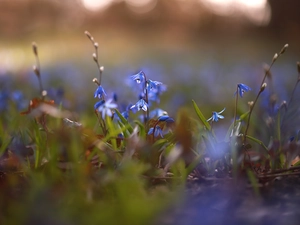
{"x":228,"y":202}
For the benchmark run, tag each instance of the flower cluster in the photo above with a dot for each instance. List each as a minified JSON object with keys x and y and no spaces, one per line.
{"x":157,"y":129}
{"x":150,"y":92}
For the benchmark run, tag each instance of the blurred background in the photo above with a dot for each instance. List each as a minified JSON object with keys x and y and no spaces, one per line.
{"x":199,"y":48}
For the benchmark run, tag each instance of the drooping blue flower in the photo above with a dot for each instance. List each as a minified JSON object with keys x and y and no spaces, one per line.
{"x":166,"y":119}
{"x":153,"y":84}
{"x":157,"y":113}
{"x":216,"y":116}
{"x":141,"y":104}
{"x":155,"y":89}
{"x":157,"y":131}
{"x":105,"y":107}
{"x":99,"y":92}
{"x":98,"y":104}
{"x":139,"y":77}
{"x":241,"y":89}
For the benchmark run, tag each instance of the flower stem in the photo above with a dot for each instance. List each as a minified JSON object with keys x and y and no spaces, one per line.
{"x":236,"y":103}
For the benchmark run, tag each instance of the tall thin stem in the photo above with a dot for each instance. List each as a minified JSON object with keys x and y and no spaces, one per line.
{"x":292,"y":95}
{"x":251,"y":110}
{"x":95,"y":55}
{"x":37,"y":67}
{"x":262,"y":88}
{"x":236,"y":103}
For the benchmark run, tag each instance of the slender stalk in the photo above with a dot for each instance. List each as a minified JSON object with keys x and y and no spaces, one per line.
{"x":146,"y":116}
{"x":236,"y":103}
{"x":262,"y":87}
{"x":292,"y":95}
{"x":251,"y":110}
{"x":37,"y":67}
{"x":95,"y":55}
{"x":101,"y":123}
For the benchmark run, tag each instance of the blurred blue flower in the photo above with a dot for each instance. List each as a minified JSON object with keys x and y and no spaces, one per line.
{"x":18,"y":98}
{"x":166,"y":119}
{"x":105,"y":107}
{"x":242,"y":88}
{"x":139,"y":77}
{"x":155,"y":91}
{"x":98,"y":104}
{"x":99,"y":92}
{"x":4,"y":98}
{"x":141,"y":104}
{"x":157,"y":131}
{"x":153,"y":84}
{"x":157,"y":113}
{"x":216,"y":116}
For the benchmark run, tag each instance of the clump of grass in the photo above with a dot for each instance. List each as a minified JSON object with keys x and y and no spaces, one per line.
{"x":55,"y":169}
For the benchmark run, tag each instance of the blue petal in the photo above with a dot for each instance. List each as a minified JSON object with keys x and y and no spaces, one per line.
{"x":166,"y":119}
{"x":98,"y":104}
{"x":150,"y":131}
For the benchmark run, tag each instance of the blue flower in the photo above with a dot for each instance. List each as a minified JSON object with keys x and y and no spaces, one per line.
{"x":166,"y":119}
{"x":99,"y":92}
{"x":139,"y":77}
{"x":216,"y":116}
{"x":141,"y":104}
{"x":242,"y":88}
{"x":105,"y":107}
{"x":155,"y":89}
{"x":157,"y":113}
{"x":153,"y":84}
{"x":157,"y":131}
{"x":98,"y":104}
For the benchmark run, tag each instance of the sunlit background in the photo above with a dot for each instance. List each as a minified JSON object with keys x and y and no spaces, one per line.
{"x":206,"y":46}
{"x":257,"y":11}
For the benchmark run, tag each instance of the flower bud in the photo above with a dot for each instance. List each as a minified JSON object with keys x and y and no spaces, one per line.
{"x":95,"y":57}
{"x":34,"y":48}
{"x":284,"y":48}
{"x":89,"y":36}
{"x":95,"y":80}
{"x":263,"y":87}
{"x":44,"y":93}
{"x":36,"y":71}
{"x":250,"y":104}
{"x":275,"y":57}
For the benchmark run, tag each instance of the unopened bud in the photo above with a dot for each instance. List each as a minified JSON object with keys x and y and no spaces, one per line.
{"x":267,"y":71}
{"x":283,"y":105}
{"x":95,"y":80}
{"x":284,"y":48}
{"x":101,"y":69}
{"x":275,"y":57}
{"x":263,"y":87}
{"x":250,"y":104}
{"x":95,"y":57}
{"x":96,"y":45}
{"x":44,"y":93}
{"x":34,"y":48}
{"x":36,"y":71}
{"x":89,"y":36}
